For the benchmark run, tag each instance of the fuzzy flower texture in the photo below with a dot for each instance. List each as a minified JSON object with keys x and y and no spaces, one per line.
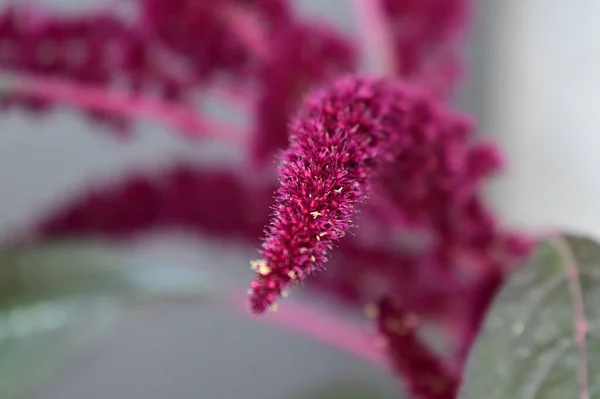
{"x":426,"y":248}
{"x":341,"y":143}
{"x":343,"y":136}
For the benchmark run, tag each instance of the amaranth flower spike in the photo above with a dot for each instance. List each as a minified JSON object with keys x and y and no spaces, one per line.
{"x":426,"y":376}
{"x":339,"y":142}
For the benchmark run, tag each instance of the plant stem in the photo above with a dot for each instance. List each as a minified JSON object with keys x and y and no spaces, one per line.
{"x":182,"y":119}
{"x":324,"y":328}
{"x":376,"y":36}
{"x":245,"y":26}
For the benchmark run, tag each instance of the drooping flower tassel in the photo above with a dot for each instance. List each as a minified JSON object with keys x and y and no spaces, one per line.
{"x":341,"y":140}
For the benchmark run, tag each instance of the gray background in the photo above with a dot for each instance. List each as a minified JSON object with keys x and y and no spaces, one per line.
{"x":191,"y":352}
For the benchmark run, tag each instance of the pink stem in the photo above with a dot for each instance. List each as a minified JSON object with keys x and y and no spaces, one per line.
{"x":182,"y":119}
{"x":324,"y":328}
{"x":246,"y":27}
{"x":230,"y":94}
{"x":376,"y":35}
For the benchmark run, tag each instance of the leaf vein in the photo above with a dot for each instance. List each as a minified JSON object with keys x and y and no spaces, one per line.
{"x":572,"y":274}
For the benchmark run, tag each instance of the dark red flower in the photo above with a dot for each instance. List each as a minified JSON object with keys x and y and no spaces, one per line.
{"x":438,"y":248}
{"x":303,"y":56}
{"x":428,"y":39}
{"x":425,"y":375}
{"x":100,"y":50}
{"x":180,"y":197}
{"x":339,"y":142}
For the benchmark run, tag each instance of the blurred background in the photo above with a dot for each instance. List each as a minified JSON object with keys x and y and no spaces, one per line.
{"x":533,"y":86}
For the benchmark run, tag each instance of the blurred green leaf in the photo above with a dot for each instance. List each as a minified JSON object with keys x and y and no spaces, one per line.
{"x":341,"y":390}
{"x":528,"y":347}
{"x":58,"y":298}
{"x":37,"y":339}
{"x":73,"y":269}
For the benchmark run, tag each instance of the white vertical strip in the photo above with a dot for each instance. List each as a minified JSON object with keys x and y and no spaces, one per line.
{"x":546,"y":110}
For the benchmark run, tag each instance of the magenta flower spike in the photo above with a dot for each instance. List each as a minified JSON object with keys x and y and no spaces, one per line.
{"x":341,"y":140}
{"x":425,"y":375}
{"x":429,"y":251}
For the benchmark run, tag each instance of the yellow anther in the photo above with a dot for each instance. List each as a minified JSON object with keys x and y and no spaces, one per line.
{"x":260,"y":266}
{"x":371,"y":311}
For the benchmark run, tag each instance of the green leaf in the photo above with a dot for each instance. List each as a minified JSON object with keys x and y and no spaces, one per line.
{"x":72,"y":269}
{"x":341,"y":390}
{"x":540,"y":340}
{"x":37,"y":339}
{"x":58,"y":298}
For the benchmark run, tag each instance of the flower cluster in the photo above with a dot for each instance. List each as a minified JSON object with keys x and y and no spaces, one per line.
{"x":72,"y":48}
{"x":417,"y":161}
{"x":428,"y":376}
{"x":303,"y":56}
{"x":427,"y":36}
{"x":172,"y":50}
{"x":384,"y":147}
{"x":203,"y":34}
{"x":181,"y":197}
{"x":339,"y":143}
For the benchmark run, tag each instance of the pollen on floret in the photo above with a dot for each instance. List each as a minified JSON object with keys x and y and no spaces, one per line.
{"x":260,"y":266}
{"x":372,"y":311}
{"x":395,"y":325}
{"x":411,"y":320}
{"x":403,"y":325}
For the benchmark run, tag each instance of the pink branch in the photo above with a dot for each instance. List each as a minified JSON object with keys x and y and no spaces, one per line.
{"x":324,"y":328}
{"x":376,"y":36}
{"x":246,"y":27}
{"x":181,"y":119}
